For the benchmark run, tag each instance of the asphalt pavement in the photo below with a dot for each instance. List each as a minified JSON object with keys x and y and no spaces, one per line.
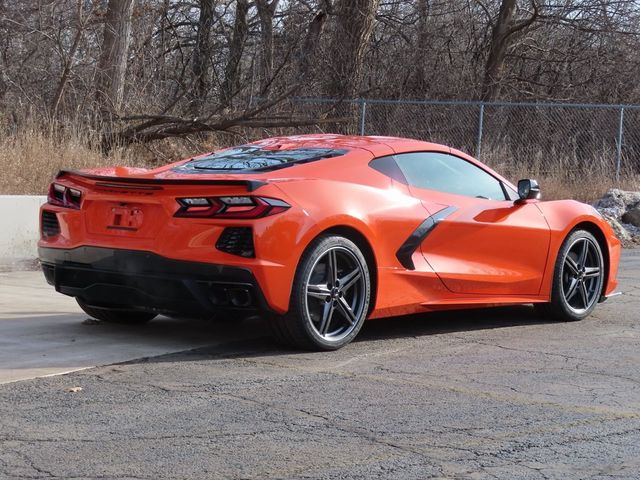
{"x":497,"y":393}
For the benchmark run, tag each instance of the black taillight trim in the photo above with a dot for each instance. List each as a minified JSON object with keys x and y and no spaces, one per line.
{"x":219,"y":209}
{"x":63,"y":196}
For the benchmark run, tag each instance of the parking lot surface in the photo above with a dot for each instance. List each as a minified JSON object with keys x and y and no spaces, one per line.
{"x":498,"y":393}
{"x":45,"y":333}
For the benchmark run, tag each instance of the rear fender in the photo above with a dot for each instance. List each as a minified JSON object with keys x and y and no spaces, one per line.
{"x":385,"y":217}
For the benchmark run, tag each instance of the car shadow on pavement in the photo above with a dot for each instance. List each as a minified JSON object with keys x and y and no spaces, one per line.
{"x":33,"y":344}
{"x":259,"y":344}
{"x":434,"y":323}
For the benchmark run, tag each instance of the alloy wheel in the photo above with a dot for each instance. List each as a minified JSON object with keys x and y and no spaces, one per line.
{"x":336,"y":294}
{"x":582,"y":275}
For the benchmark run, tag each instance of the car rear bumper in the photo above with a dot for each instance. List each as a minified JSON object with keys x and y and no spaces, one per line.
{"x":146,"y":281}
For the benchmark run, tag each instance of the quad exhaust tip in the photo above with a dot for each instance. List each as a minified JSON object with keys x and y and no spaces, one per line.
{"x":235,"y":296}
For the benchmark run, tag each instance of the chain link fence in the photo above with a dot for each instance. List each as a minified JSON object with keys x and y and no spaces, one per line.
{"x":567,"y":140}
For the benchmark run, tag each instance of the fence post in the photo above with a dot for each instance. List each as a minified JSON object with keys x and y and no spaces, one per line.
{"x":480,"y":129}
{"x":619,"y":146}
{"x":363,"y":114}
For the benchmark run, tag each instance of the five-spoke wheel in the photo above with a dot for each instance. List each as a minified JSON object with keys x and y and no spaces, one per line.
{"x":336,"y":294}
{"x":581,"y":274}
{"x":578,"y":278}
{"x":330,"y":296}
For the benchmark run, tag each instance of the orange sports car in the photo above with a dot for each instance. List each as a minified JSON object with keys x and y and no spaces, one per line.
{"x":318,"y":233}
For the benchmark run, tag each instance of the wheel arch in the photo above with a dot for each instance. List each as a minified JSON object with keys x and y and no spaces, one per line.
{"x":357,"y":237}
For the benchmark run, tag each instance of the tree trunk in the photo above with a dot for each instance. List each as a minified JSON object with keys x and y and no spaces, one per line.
{"x":112,"y":66}
{"x":200,"y":65}
{"x":231,"y":81}
{"x":348,"y":46}
{"x":419,"y":86}
{"x":3,"y":82}
{"x":501,"y":38}
{"x":266,"y":11}
{"x":68,"y":61}
{"x":3,"y":76}
{"x":311,"y":41}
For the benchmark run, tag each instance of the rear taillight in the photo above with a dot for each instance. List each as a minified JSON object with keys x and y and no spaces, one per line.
{"x":64,"y":196}
{"x":230,"y":207}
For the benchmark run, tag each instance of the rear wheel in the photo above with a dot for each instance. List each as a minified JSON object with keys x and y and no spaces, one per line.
{"x":115,"y":315}
{"x":577,"y":280}
{"x":329,"y":299}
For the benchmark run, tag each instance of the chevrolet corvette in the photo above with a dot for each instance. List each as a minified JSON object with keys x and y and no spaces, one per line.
{"x":317,"y":233}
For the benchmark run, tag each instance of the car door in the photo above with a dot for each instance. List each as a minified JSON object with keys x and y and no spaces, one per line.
{"x":478,"y":240}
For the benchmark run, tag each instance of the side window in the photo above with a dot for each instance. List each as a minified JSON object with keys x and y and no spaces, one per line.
{"x":511,"y":193}
{"x":447,"y":173}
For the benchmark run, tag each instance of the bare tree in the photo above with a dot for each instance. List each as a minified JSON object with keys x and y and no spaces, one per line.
{"x":231,"y":81}
{"x":200,"y":65}
{"x":112,"y":66}
{"x":266,"y":12}
{"x":311,"y":44}
{"x":506,"y":26}
{"x":3,"y":80}
{"x":354,"y":24}
{"x":69,"y":58}
{"x":422,"y":40}
{"x":186,"y":66}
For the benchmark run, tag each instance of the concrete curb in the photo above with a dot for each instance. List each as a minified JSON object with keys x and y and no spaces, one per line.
{"x":19,"y":228}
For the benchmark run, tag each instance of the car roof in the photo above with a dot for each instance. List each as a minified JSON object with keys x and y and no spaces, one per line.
{"x":375,"y":144}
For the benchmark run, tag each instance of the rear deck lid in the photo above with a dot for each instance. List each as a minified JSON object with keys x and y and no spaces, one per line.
{"x":141,"y":206}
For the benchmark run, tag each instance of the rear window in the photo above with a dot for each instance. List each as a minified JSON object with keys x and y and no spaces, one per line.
{"x":249,"y":158}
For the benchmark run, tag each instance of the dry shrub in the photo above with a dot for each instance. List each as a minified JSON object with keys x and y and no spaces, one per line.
{"x":562,"y":176}
{"x":31,"y":155}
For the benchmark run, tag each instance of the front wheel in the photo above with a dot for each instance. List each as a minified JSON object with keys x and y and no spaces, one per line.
{"x":577,"y":279}
{"x":113,"y":315}
{"x":329,"y":299}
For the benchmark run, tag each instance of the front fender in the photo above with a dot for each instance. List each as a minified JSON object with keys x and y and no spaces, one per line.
{"x":563,"y":216}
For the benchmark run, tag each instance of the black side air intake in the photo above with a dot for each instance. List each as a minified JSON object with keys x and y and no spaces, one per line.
{"x":49,"y":224}
{"x":237,"y":241}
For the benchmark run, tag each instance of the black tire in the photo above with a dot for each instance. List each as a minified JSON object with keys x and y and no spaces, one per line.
{"x":114,"y":315}
{"x":310,"y":323}
{"x":578,"y":278}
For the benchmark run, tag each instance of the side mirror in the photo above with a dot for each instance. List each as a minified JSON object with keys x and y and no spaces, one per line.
{"x":528,"y":189}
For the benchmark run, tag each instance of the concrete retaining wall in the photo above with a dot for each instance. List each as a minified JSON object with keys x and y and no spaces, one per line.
{"x":19,"y":227}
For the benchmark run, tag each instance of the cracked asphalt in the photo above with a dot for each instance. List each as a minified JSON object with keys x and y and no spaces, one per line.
{"x":497,"y":393}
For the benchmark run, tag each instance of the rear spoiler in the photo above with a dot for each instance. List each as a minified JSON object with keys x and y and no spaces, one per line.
{"x":156,"y":183}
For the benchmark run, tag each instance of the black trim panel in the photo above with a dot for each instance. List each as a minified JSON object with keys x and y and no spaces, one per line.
{"x":191,"y":167}
{"x":412,"y":243}
{"x":250,"y":185}
{"x":146,"y":281}
{"x":388,"y":166}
